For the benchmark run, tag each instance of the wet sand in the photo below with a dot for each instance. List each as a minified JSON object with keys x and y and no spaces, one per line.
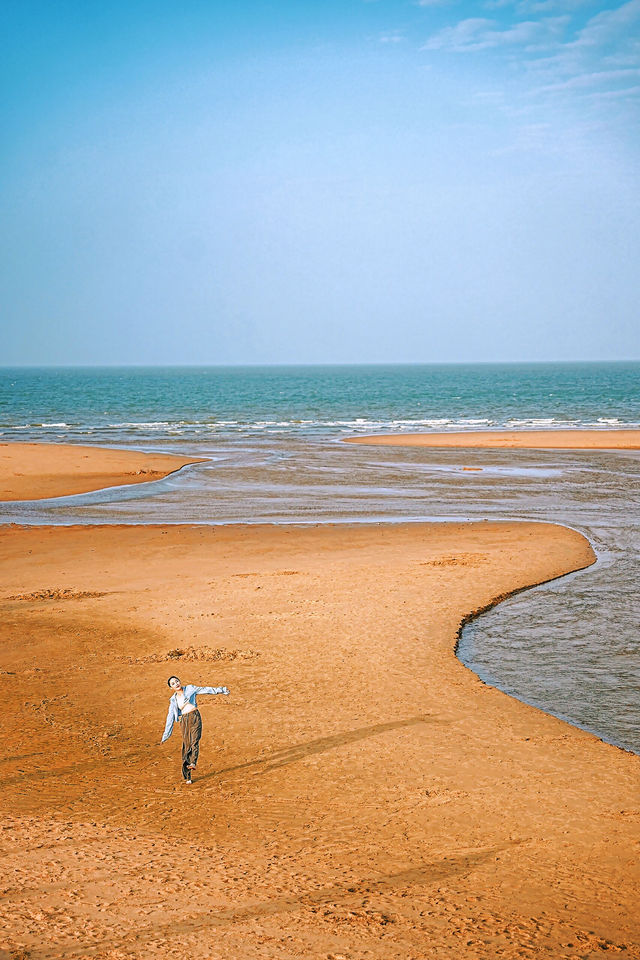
{"x":360,"y":794}
{"x":517,"y":439}
{"x":35,"y":471}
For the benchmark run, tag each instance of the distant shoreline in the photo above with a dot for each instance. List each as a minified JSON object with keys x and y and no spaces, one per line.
{"x":511,"y":439}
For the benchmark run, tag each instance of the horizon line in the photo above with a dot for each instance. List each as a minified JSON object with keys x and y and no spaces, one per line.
{"x":290,"y":364}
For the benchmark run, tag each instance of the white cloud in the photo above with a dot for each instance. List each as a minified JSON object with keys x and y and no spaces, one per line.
{"x":626,"y":93}
{"x":582,"y":71}
{"x":608,"y":25}
{"x":604,"y":51}
{"x":529,"y":7}
{"x":578,"y":69}
{"x":465,"y":35}
{"x":627,"y":57}
{"x":476,"y":33}
{"x":597,"y":78}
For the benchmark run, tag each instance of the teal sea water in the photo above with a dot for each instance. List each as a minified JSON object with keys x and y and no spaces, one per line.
{"x":272,"y":439}
{"x":199,"y":403}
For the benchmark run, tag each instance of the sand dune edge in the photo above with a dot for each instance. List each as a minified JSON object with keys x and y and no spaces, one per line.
{"x":38,"y":471}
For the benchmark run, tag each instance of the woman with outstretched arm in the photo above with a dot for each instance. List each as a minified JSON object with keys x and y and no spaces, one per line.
{"x":183,"y":707}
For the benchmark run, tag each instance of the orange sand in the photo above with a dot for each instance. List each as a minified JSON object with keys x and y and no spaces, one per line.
{"x":360,"y":794}
{"x":35,"y":471}
{"x":522,"y":439}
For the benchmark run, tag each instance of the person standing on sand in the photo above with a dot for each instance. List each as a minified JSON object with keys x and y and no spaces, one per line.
{"x":183,"y":706}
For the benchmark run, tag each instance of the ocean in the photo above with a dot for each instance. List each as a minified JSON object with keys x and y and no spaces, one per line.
{"x":272,"y":438}
{"x":203,"y":403}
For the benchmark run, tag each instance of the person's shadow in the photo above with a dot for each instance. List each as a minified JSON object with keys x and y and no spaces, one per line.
{"x":299,"y":751}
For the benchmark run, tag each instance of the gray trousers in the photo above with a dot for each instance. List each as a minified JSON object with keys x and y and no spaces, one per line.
{"x":191,"y":725}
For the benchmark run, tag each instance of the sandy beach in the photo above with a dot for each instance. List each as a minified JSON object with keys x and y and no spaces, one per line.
{"x":516,"y":439}
{"x":35,"y":471}
{"x":360,"y":794}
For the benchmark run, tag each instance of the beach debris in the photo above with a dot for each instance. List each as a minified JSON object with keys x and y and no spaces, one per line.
{"x":462,"y":559}
{"x":56,"y":593}
{"x":192,"y":654}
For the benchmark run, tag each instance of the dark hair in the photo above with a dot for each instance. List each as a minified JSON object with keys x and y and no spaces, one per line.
{"x":170,"y":679}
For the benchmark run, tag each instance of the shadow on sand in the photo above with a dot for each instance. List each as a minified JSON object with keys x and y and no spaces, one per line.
{"x":351,"y":895}
{"x":300,"y":751}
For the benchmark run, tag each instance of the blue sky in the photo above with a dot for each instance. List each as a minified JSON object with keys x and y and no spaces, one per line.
{"x":320,"y":181}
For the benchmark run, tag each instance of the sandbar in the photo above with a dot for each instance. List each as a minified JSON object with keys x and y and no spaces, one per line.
{"x":512,"y":439}
{"x":37,"y":471}
{"x":361,"y":793}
